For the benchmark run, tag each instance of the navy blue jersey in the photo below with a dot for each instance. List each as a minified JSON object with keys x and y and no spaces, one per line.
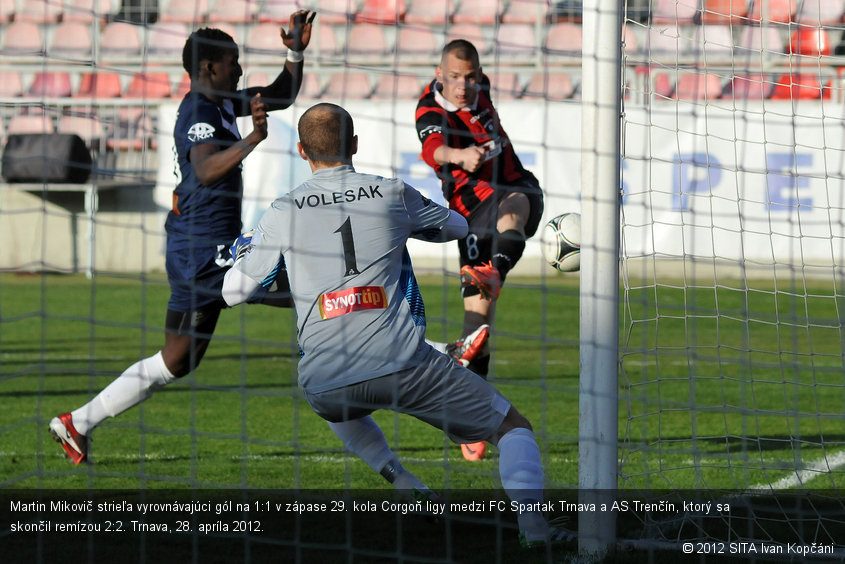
{"x":204,"y":215}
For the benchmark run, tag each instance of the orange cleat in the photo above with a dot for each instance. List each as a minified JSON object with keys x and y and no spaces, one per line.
{"x":484,"y":277}
{"x":474,"y":451}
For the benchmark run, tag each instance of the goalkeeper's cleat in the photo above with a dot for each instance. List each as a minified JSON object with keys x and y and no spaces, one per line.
{"x":466,"y":349}
{"x":424,"y":494}
{"x":474,"y":451}
{"x":554,"y":536}
{"x":485,"y":277}
{"x":427,"y":499}
{"x":64,"y":433}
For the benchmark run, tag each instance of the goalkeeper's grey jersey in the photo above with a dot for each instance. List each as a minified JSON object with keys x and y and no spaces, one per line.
{"x":343,"y":235}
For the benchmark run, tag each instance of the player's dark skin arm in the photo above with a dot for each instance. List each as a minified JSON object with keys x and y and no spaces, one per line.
{"x":209,"y":161}
{"x":281,"y":93}
{"x":211,"y":164}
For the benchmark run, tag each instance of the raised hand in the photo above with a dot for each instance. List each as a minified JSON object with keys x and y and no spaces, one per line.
{"x":259,"y":118}
{"x":299,"y":35}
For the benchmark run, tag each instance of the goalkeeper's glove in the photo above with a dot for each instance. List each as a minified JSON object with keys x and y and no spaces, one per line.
{"x":242,"y":245}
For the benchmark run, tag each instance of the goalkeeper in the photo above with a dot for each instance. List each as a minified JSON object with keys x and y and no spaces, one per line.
{"x":484,"y":181}
{"x":361,"y":319}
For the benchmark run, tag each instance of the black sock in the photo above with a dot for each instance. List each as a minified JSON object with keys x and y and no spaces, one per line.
{"x":508,"y":248}
{"x":469,"y":290}
{"x":472,"y":321}
{"x":480,"y":365}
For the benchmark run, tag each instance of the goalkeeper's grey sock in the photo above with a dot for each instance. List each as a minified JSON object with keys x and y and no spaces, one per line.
{"x":522,"y":478}
{"x":365,"y":438}
{"x":135,"y":385}
{"x":401,"y":479}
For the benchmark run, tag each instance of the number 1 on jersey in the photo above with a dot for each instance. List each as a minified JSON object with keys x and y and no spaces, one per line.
{"x":345,"y":231}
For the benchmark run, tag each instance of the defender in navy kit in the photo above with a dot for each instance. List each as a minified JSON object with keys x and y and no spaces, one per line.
{"x":205,"y":217}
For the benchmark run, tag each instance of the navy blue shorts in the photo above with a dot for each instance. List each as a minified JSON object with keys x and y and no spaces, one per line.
{"x":196,"y":280}
{"x":196,"y":277}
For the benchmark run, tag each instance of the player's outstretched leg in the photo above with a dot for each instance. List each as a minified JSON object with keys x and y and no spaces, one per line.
{"x":364,"y":438}
{"x":135,"y":385}
{"x":187,"y":337}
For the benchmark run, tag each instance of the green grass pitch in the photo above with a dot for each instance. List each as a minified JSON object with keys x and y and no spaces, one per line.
{"x":724,"y":387}
{"x":240,"y":420}
{"x":733,"y":386}
{"x":721,"y":387}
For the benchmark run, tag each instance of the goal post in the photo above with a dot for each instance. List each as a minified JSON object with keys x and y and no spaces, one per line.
{"x":599,"y":293}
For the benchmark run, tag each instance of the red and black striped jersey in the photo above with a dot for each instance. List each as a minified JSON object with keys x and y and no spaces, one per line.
{"x":440,"y":123}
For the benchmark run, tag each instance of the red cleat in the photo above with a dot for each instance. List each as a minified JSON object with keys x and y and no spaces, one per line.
{"x":74,"y":443}
{"x":466,"y":349}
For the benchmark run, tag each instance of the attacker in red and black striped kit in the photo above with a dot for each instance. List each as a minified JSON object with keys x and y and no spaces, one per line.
{"x":483,"y":180}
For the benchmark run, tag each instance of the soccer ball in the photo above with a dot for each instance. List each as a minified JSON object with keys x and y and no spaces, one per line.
{"x":562,"y":242}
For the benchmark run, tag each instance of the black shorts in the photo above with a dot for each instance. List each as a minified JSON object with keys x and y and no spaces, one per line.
{"x":477,"y":247}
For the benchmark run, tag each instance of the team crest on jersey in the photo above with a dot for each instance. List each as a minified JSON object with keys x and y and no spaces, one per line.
{"x":335,"y":304}
{"x":200,"y":132}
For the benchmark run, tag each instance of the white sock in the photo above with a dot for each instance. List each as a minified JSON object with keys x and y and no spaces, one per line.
{"x":364,"y":438}
{"x":522,"y":478}
{"x":437,"y":345}
{"x":136,"y":384}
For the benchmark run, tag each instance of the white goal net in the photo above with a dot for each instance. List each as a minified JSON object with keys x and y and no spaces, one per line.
{"x":732,"y":261}
{"x":730,"y":361}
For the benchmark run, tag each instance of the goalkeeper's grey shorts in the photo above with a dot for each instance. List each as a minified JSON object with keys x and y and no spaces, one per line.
{"x":438,"y":391}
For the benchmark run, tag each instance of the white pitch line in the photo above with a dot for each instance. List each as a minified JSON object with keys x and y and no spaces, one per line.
{"x":663,"y":361}
{"x":28,"y":356}
{"x":825,"y":465}
{"x":60,"y":356}
{"x":160,"y":456}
